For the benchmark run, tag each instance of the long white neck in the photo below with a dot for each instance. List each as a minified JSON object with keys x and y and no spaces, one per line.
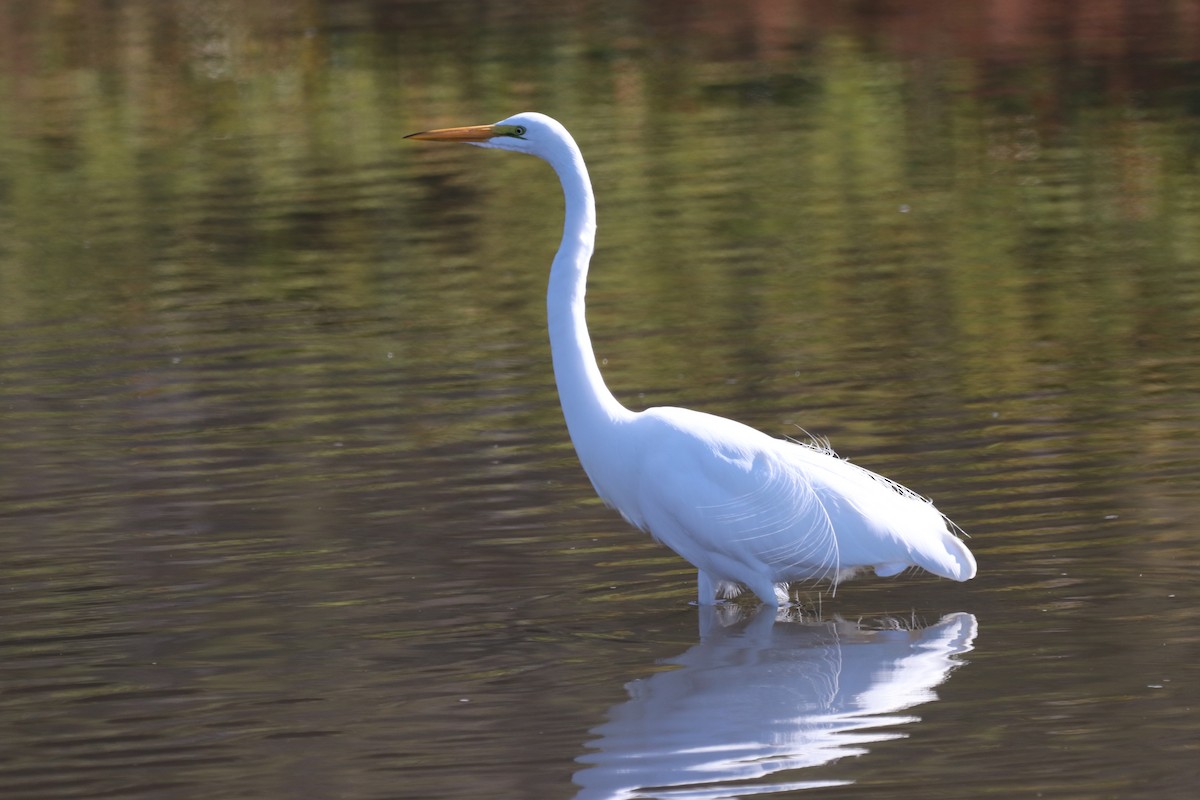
{"x":589,"y":407}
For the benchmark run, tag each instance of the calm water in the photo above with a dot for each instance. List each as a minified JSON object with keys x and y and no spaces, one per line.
{"x":287,"y":507}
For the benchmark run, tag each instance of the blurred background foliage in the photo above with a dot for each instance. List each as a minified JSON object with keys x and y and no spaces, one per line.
{"x":1030,"y":167}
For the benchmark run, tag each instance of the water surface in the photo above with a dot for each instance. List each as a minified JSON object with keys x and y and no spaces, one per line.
{"x":287,"y":507}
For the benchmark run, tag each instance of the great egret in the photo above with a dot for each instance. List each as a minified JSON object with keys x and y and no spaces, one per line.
{"x":746,"y":509}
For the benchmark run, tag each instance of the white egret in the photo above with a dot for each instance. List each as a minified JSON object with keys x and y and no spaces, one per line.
{"x":746,"y":509}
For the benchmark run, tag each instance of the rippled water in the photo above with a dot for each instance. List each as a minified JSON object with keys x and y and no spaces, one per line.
{"x":287,"y":507}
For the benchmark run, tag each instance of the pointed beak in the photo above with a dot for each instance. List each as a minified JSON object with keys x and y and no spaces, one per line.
{"x":470,"y":133}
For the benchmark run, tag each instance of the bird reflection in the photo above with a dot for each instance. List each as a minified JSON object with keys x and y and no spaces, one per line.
{"x":764,"y":695}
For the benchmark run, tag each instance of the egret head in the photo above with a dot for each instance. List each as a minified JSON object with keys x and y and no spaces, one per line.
{"x":528,"y":132}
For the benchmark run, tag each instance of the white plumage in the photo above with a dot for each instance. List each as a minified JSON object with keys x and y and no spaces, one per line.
{"x":745,"y":508}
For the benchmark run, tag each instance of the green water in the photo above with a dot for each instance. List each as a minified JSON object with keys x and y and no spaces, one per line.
{"x":287,"y":507}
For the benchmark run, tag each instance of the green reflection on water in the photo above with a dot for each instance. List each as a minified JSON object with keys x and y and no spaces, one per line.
{"x":265,"y":365}
{"x":810,"y":228}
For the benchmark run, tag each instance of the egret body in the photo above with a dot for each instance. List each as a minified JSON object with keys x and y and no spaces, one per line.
{"x":746,"y":509}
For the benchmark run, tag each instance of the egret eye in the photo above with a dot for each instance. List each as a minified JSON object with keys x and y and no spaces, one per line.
{"x":519,"y":130}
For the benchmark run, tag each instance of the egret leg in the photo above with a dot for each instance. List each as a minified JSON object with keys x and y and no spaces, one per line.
{"x":768,"y":593}
{"x":706,"y":589}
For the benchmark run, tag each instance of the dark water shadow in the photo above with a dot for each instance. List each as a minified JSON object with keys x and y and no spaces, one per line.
{"x":763,"y":694}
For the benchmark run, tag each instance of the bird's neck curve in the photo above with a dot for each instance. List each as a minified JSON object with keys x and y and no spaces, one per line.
{"x":589,"y":407}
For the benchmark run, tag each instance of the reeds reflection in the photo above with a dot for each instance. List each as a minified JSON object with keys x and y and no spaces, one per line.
{"x":761,"y":696}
